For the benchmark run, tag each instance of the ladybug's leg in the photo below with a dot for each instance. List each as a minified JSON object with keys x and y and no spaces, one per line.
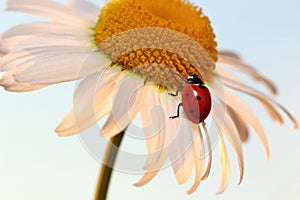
{"x":176,"y":116}
{"x":174,"y":95}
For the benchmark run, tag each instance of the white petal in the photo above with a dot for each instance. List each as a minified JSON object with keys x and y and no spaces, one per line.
{"x":16,"y":87}
{"x":179,"y":137}
{"x":264,"y":99}
{"x":49,"y":67}
{"x":184,"y":173}
{"x":45,"y":28}
{"x":11,"y":44}
{"x":127,"y":102}
{"x":239,"y":123}
{"x":26,"y":42}
{"x":153,"y":120}
{"x":13,"y":60}
{"x":198,"y":149}
{"x":85,"y":8}
{"x":208,"y":167}
{"x":225,"y":171}
{"x":92,"y":101}
{"x":233,"y":61}
{"x":246,"y":113}
{"x":150,"y":174}
{"x":233,"y":81}
{"x":227,"y":126}
{"x":8,"y":82}
{"x":47,"y":9}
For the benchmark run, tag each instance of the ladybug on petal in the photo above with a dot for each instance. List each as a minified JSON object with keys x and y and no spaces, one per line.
{"x":196,"y":100}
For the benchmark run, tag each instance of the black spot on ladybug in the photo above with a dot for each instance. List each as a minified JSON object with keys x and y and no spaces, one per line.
{"x":209,"y":100}
{"x":197,"y":116}
{"x":191,"y":111}
{"x":187,"y":94}
{"x":198,"y":98}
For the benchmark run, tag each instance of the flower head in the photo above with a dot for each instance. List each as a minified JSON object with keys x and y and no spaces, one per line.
{"x":131,"y":55}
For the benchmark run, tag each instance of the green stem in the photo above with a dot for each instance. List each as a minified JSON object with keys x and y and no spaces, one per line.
{"x":107,"y":166}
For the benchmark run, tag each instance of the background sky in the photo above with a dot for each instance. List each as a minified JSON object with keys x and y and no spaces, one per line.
{"x":36,"y":164}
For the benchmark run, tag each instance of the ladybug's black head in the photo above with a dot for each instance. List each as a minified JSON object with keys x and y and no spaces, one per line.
{"x":194,"y":79}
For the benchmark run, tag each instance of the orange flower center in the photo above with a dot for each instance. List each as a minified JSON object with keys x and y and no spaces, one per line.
{"x":151,"y":52}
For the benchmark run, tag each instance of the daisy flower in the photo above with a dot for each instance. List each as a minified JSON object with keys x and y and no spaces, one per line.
{"x":131,"y":55}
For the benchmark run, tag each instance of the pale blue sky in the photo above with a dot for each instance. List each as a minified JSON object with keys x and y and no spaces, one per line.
{"x":36,"y":164}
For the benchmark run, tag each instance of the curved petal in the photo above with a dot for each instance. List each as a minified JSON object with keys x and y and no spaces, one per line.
{"x":153,"y":120}
{"x":184,"y":173}
{"x":44,"y":28}
{"x":179,"y":138}
{"x":44,"y":33}
{"x":231,"y":133}
{"x":245,"y":112}
{"x":127,"y":102}
{"x":198,"y":149}
{"x":239,"y":123}
{"x":14,"y":60}
{"x":225,"y":171}
{"x":92,"y":101}
{"x":233,"y":81}
{"x":32,"y":41}
{"x":264,"y":99}
{"x":54,"y":11}
{"x":56,"y":66}
{"x":8,"y":82}
{"x":208,"y":167}
{"x":235,"y":62}
{"x":150,"y":174}
{"x":85,"y":9}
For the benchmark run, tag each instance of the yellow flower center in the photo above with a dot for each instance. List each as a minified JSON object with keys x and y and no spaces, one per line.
{"x":151,"y":48}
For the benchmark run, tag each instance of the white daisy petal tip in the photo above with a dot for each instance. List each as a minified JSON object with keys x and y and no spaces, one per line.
{"x":63,"y":130}
{"x":153,"y":170}
{"x":146,"y":179}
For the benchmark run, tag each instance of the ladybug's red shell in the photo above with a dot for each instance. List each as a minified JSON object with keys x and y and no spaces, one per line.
{"x":196,"y":102}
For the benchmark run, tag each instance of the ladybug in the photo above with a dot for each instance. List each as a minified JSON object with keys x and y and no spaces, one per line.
{"x":196,"y":100}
